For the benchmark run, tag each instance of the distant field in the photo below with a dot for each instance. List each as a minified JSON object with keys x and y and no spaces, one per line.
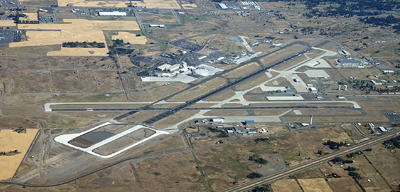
{"x":13,"y":141}
{"x":286,"y":185}
{"x":130,"y":37}
{"x":189,"y":6}
{"x":7,"y":23}
{"x":314,"y":185}
{"x":165,"y":4}
{"x":71,"y":31}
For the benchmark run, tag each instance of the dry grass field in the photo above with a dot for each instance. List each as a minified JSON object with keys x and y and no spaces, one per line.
{"x":13,"y":141}
{"x":250,"y":83}
{"x":243,"y":71}
{"x":199,"y":90}
{"x":130,"y":37}
{"x":282,"y":54}
{"x":30,"y":17}
{"x":174,"y":119}
{"x":72,"y":30}
{"x":344,"y":184}
{"x":286,"y":185}
{"x":7,"y":23}
{"x":315,"y":185}
{"x":386,"y":163}
{"x":165,"y":4}
{"x":368,"y":171}
{"x":189,"y":6}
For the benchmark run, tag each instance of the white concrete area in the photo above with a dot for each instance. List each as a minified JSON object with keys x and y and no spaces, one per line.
{"x":317,"y":73}
{"x":64,"y":139}
{"x":285,"y":98}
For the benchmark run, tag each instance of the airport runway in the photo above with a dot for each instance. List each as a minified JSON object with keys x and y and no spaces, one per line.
{"x":312,"y":163}
{"x":203,"y":108}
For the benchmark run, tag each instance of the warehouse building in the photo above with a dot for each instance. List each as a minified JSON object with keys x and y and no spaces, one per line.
{"x":222,"y":6}
{"x":114,"y":13}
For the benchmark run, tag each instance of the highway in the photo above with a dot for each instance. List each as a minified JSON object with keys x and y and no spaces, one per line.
{"x":312,"y":163}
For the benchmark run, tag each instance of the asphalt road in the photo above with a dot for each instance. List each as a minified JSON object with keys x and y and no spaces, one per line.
{"x":312,"y":163}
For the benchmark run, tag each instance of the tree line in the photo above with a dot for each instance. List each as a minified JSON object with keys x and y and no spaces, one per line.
{"x":84,"y":44}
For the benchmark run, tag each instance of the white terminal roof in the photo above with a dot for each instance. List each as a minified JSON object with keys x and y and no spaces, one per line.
{"x":164,"y":67}
{"x":114,"y":13}
{"x":223,"y":6}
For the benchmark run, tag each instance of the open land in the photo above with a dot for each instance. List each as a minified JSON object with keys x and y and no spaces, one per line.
{"x":14,"y":141}
{"x":102,"y":127}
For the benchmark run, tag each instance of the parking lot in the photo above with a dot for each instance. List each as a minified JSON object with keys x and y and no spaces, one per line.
{"x":9,"y":36}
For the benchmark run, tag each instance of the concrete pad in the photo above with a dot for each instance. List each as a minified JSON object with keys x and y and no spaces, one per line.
{"x":297,"y":112}
{"x":321,"y":63}
{"x":64,"y":139}
{"x":300,"y":87}
{"x":237,"y":119}
{"x":265,"y":88}
{"x":317,"y":73}
{"x":285,"y":98}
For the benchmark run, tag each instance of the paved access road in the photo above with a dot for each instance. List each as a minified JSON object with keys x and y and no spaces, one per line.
{"x":312,"y":163}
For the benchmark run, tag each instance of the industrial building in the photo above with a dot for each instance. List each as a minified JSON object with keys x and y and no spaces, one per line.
{"x":217,"y":120}
{"x":163,"y":67}
{"x":114,"y":13}
{"x":157,"y":25}
{"x":222,"y":6}
{"x":344,"y":52}
{"x":349,"y":63}
{"x":249,"y":122}
{"x":313,"y":89}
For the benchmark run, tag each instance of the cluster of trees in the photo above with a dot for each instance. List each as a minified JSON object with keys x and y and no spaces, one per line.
{"x":380,"y":21}
{"x":333,"y":12}
{"x":366,"y":86}
{"x":340,"y":160}
{"x":254,"y":175}
{"x":353,"y":173}
{"x":221,"y":133}
{"x":334,"y":145}
{"x":2,"y":153}
{"x":84,"y":44}
{"x":263,"y":188}
{"x":27,"y":22}
{"x":392,"y":143}
{"x":20,"y":130}
{"x":258,"y":159}
{"x":387,"y":21}
{"x":260,"y":140}
{"x":116,"y":49}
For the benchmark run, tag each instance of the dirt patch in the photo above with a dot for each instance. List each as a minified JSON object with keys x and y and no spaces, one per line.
{"x":7,"y":23}
{"x":317,"y":185}
{"x":131,"y":38}
{"x":286,"y":185}
{"x":344,"y":184}
{"x":72,"y":30}
{"x":11,"y":141}
{"x":165,"y":4}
